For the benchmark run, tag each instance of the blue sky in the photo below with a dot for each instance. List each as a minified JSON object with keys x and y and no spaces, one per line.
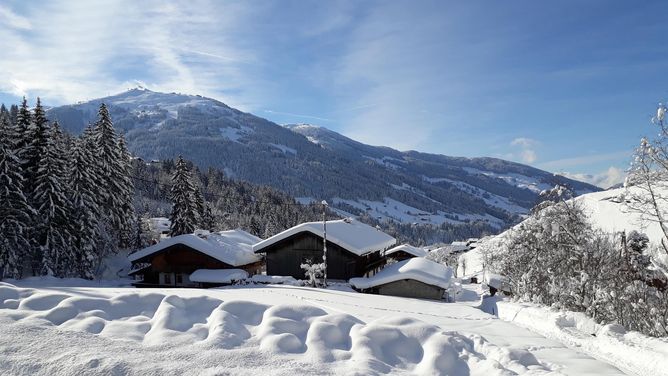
{"x":567,"y":86}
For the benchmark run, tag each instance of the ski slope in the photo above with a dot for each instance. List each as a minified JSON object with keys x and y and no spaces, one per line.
{"x":273,"y":330}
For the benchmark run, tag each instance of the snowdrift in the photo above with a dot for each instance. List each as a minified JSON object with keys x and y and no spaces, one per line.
{"x":271,"y":337}
{"x":633,"y":352}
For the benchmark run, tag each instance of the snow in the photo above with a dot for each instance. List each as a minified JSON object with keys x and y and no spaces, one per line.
{"x":284,"y":149}
{"x":235,"y":134}
{"x":517,"y":180}
{"x":273,"y":279}
{"x":273,"y":330}
{"x":608,"y":213}
{"x":495,"y":280}
{"x":419,"y":269}
{"x":305,"y":200}
{"x":392,"y":210}
{"x":233,"y":247}
{"x":218,"y":275}
{"x":387,"y":162}
{"x":633,"y":352}
{"x":415,"y":251}
{"x":353,"y":235}
{"x":159,"y":224}
{"x":489,"y":197}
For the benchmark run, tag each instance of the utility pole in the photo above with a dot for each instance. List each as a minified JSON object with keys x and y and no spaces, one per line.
{"x":324,"y":240}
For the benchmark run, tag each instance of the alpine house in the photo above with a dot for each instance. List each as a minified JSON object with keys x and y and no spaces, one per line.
{"x":354,"y":249}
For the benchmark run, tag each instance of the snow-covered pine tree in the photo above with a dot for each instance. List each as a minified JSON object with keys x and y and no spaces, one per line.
{"x":15,"y":213}
{"x":200,"y":206}
{"x":53,"y":210}
{"x":13,"y":114}
{"x":21,"y":137}
{"x":113,"y":175}
{"x":184,"y":210}
{"x":85,"y":212}
{"x":126,"y":190}
{"x":37,"y":134}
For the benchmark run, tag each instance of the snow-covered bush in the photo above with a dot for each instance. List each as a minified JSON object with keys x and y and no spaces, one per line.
{"x":313,"y":271}
{"x":445,"y":257}
{"x":556,"y":258}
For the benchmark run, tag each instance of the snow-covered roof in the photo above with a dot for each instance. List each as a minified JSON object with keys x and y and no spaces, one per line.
{"x":233,"y":247}
{"x":419,"y":269}
{"x":218,"y":275}
{"x":350,"y":234}
{"x":415,"y":251}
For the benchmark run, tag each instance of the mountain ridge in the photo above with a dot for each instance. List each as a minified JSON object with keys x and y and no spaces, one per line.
{"x":313,"y":162}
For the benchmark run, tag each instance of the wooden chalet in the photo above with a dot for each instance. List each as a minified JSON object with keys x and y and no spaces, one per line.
{"x":412,"y":278}
{"x":354,"y":249}
{"x":404,"y":252}
{"x":172,"y":261}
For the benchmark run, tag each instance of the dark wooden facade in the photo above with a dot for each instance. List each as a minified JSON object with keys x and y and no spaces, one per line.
{"x":408,"y":288}
{"x":173,"y":265}
{"x":400,"y":255}
{"x":286,"y":256}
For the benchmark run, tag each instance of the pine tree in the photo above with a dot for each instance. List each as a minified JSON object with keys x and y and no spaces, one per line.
{"x":184,"y":211}
{"x":15,"y":213}
{"x":54,"y":210}
{"x":85,"y":212}
{"x":22,"y":138}
{"x":200,"y":206}
{"x":13,"y":114}
{"x":125,"y":192}
{"x":36,"y":144}
{"x":113,"y":172}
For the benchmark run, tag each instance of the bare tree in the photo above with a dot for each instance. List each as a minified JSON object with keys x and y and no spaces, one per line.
{"x":647,"y":184}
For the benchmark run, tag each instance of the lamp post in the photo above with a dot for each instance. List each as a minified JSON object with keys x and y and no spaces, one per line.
{"x":324,"y":240}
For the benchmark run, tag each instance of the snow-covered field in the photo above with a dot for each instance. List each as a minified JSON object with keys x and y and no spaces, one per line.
{"x":271,"y":330}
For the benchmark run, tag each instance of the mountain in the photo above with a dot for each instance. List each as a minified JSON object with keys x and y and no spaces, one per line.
{"x":314,"y":163}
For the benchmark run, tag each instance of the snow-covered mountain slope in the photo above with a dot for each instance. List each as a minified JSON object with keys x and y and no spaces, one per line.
{"x":273,"y":330}
{"x":310,"y":161}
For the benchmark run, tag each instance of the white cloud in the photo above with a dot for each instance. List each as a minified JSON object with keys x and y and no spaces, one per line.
{"x":81,"y":50}
{"x":584,"y":160}
{"x":605,"y":179}
{"x":526,"y":152}
{"x":524,"y":142}
{"x":13,"y":20}
{"x":528,"y":156}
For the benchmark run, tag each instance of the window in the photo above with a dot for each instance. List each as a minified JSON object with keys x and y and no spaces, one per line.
{"x":179,"y":279}
{"x":167,"y":278}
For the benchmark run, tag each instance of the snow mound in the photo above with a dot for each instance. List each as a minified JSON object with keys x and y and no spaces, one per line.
{"x":273,"y":279}
{"x":339,"y":342}
{"x":218,"y":275}
{"x":419,"y":269}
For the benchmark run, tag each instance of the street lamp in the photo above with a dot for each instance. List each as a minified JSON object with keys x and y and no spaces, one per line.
{"x":324,"y":240}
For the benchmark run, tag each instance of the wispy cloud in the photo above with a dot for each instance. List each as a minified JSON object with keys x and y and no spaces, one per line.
{"x":78,"y":50}
{"x":584,"y":160}
{"x":526,"y":152}
{"x":605,"y":179}
{"x":297,"y":115}
{"x":13,"y":20}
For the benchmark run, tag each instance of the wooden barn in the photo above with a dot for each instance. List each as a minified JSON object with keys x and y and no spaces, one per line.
{"x":413,"y":278}
{"x":172,"y":261}
{"x":404,"y":252}
{"x":354,"y":249}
